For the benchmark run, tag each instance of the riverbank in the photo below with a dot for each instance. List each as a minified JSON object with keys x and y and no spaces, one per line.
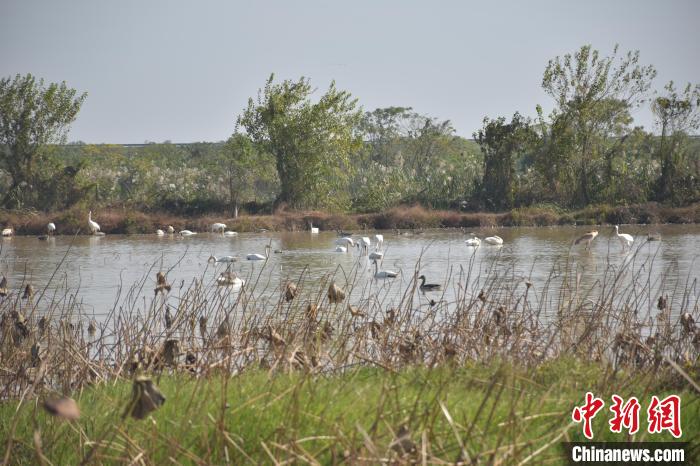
{"x":494,"y":413}
{"x":128,"y":221}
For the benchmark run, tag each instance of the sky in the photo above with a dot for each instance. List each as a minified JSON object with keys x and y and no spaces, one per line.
{"x":182,"y":71}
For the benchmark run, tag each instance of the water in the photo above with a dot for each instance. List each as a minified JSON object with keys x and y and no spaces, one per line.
{"x":97,"y":271}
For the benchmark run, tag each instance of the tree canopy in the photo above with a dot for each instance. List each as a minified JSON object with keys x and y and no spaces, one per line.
{"x":32,"y":115}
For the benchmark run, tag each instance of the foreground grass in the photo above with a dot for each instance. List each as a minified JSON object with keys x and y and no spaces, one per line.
{"x":490,"y":414}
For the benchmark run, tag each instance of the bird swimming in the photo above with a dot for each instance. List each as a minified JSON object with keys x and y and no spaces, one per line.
{"x":428,"y":286}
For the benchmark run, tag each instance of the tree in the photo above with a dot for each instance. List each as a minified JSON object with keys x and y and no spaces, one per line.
{"x":311,"y":141}
{"x":501,"y":144}
{"x":32,"y":115}
{"x":594,"y":96}
{"x":676,"y":114}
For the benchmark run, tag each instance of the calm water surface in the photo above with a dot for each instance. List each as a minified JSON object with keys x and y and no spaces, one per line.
{"x":93,"y":270}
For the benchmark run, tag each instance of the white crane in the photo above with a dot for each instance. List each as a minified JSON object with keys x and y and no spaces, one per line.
{"x":364,"y":243}
{"x":160,"y":232}
{"x":94,"y":226}
{"x":383,"y":273}
{"x":187,"y":233}
{"x":376,"y":255}
{"x":171,"y":230}
{"x":493,"y":240}
{"x":229,"y":279}
{"x":259,"y":257}
{"x":218,"y":227}
{"x":380,"y":241}
{"x":345,"y":241}
{"x":226,"y":259}
{"x":7,"y":232}
{"x":473,"y":242}
{"x":314,"y":230}
{"x":625,"y":239}
{"x":50,"y":228}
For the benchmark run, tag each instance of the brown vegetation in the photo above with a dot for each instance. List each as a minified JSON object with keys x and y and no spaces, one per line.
{"x":125,"y":221}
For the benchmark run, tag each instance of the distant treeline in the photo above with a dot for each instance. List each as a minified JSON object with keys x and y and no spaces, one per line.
{"x":294,"y":149}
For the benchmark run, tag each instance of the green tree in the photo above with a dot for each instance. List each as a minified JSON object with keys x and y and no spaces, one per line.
{"x":32,"y":115}
{"x":501,"y":145}
{"x":594,"y":96}
{"x":312,"y":142}
{"x":677,"y":114}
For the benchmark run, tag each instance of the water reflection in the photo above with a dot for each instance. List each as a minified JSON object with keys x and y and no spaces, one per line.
{"x":98,"y":270}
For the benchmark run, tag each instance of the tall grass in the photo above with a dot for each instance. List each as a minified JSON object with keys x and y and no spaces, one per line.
{"x":489,"y":376}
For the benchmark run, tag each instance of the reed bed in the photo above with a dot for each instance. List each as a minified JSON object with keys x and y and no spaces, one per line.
{"x":326,"y":371}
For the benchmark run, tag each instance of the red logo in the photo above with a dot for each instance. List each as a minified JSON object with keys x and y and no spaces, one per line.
{"x":665,"y":415}
{"x":587,"y":412}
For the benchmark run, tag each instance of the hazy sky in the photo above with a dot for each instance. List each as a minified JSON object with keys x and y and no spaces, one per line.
{"x":183,"y":70}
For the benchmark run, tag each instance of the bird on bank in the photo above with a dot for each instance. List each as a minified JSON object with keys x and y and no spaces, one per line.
{"x":7,"y":232}
{"x":493,"y":240}
{"x":259,"y":257}
{"x":170,"y":229}
{"x":314,"y":230}
{"x":50,"y":228}
{"x":93,"y":225}
{"x":428,"y":286}
{"x":160,"y":232}
{"x":383,"y":273}
{"x":587,"y":238}
{"x":625,"y":239}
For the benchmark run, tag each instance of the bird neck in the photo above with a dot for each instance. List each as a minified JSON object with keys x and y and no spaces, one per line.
{"x":422,"y":280}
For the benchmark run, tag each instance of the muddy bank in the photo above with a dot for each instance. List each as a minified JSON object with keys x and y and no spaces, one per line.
{"x":126,"y":221}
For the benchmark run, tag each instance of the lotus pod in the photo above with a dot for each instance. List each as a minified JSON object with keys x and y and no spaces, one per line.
{"x":63,"y":407}
{"x":145,"y":398}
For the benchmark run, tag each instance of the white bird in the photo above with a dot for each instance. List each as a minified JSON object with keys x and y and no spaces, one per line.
{"x":493,"y":240}
{"x":625,"y":239}
{"x":345,"y":241}
{"x":313,"y":229}
{"x":223,"y":259}
{"x":171,"y":230}
{"x":187,"y":233}
{"x":229,"y":279}
{"x":50,"y":228}
{"x":474,"y":242}
{"x":229,"y":233}
{"x":94,"y":226}
{"x":364,"y":243}
{"x":259,"y":257}
{"x":376,"y":255}
{"x":341,"y":249}
{"x":160,"y":232}
{"x":383,"y":273}
{"x":380,"y":240}
{"x":7,"y":232}
{"x":218,"y":227}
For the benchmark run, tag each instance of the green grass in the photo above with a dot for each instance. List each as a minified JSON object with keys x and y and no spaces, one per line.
{"x":498,"y":412}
